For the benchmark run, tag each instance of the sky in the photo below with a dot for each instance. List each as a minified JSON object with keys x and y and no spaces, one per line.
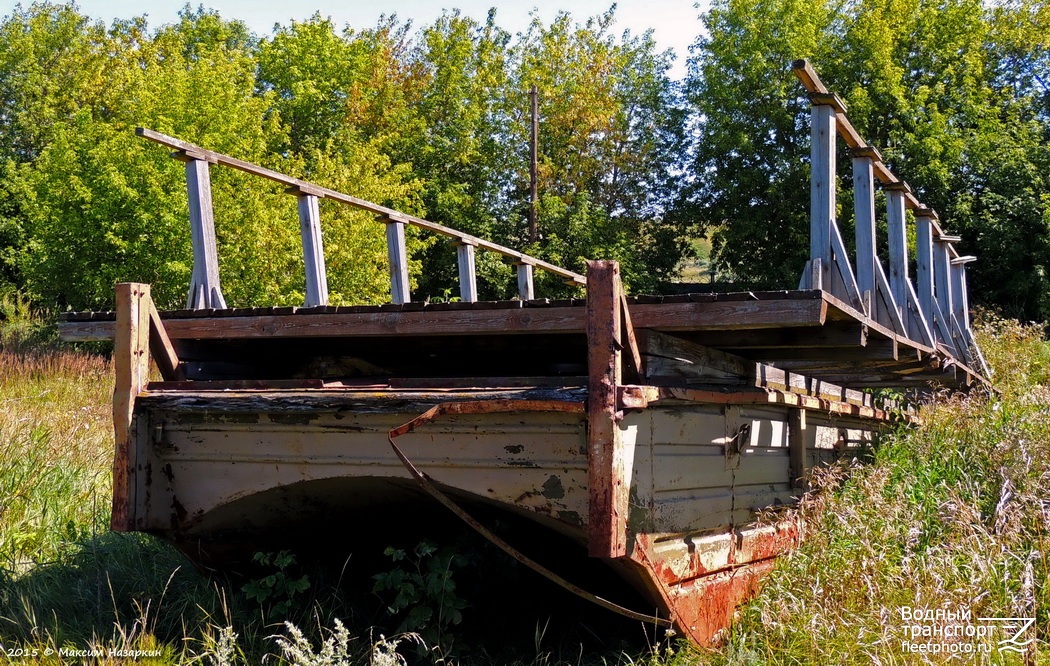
{"x":675,"y":23}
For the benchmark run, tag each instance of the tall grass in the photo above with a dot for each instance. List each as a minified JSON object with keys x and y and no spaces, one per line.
{"x":953,"y":515}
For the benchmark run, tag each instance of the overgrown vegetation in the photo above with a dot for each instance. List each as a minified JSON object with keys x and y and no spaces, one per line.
{"x":950,"y":515}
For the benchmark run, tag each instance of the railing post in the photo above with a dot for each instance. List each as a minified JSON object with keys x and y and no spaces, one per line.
{"x":822,"y":185}
{"x":397,"y":257}
{"x":942,"y":276}
{"x":944,"y":298}
{"x":468,"y":281}
{"x":131,"y":358}
{"x":313,"y":248}
{"x":864,"y":214}
{"x":962,"y":307}
{"x":609,"y":465}
{"x":924,"y":218}
{"x":898,"y":250}
{"x":205,"y":291}
{"x":526,"y":291}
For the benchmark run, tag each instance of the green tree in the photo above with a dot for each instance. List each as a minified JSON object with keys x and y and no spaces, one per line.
{"x":610,"y":139}
{"x":462,"y":156}
{"x":346,"y":102}
{"x":936,"y":86}
{"x":102,"y":205}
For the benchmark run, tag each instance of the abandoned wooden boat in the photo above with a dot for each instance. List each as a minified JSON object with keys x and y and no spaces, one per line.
{"x":650,"y":431}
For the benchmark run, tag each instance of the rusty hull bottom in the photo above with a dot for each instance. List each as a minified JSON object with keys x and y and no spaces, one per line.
{"x":700,"y":580}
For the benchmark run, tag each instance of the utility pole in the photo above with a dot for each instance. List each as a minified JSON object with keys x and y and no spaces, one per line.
{"x":534,"y":158}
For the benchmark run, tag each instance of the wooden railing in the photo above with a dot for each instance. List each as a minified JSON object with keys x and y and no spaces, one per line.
{"x":937,"y":314}
{"x":205,"y":289}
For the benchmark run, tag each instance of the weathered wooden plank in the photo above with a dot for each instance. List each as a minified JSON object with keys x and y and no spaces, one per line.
{"x":822,"y":187}
{"x":468,"y":278}
{"x":131,"y":358}
{"x":607,"y":464}
{"x":161,"y":348}
{"x":397,"y":260}
{"x":205,"y":291}
{"x":313,"y":250}
{"x":299,"y":184}
{"x":864,"y":214}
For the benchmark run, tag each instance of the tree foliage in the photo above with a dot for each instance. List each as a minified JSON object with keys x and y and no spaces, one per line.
{"x":435,"y":122}
{"x":954,"y":93}
{"x":430,"y":121}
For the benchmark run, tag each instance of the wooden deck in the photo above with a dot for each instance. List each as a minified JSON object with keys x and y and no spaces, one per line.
{"x":805,"y":332}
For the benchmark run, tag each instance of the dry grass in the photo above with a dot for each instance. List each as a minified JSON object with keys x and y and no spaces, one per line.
{"x":953,"y":516}
{"x":56,"y":443}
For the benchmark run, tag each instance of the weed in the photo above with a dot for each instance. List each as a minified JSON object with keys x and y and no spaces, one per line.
{"x":276,"y":592}
{"x":424,"y":591}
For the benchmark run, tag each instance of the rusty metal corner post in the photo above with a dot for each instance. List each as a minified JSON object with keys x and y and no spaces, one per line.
{"x":607,"y":466}
{"x":131,"y":357}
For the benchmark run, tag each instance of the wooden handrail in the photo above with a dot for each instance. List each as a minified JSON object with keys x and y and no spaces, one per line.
{"x":812,"y":83}
{"x":188,"y":150}
{"x":938,"y":310}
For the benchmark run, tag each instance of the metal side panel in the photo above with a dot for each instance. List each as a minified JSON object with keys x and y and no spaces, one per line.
{"x":198,"y":466}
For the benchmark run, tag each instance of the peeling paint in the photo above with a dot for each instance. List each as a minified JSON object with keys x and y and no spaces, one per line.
{"x":552,"y":488}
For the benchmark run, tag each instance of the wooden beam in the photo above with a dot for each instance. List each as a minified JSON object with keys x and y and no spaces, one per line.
{"x":628,"y":334}
{"x":798,"y":442}
{"x":131,"y":356}
{"x":918,"y":325}
{"x":822,"y":184}
{"x":808,"y":76}
{"x":397,"y":260}
{"x":737,"y":315}
{"x":161,"y":348}
{"x":892,"y":311}
{"x":671,"y":355}
{"x":942,"y":278}
{"x":864,"y":214}
{"x":205,"y":291}
{"x":845,"y":335}
{"x":608,"y":464}
{"x":898,"y":249}
{"x":468,"y":279}
{"x":843,"y":283}
{"x":526,"y":290}
{"x":924,"y":264}
{"x":313,"y":250}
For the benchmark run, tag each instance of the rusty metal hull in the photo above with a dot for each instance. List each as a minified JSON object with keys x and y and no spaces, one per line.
{"x":222,"y":465}
{"x":657,"y":462}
